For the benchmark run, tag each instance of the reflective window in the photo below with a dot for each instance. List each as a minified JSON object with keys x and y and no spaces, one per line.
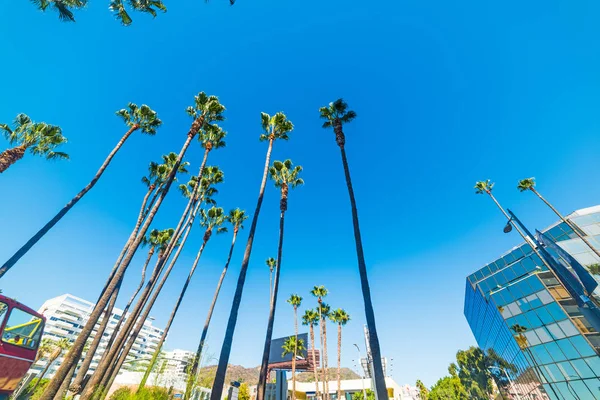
{"x":568,"y":328}
{"x":555,"y":331}
{"x":545,"y":297}
{"x":553,"y":373}
{"x":593,"y":385}
{"x":23,"y":329}
{"x":540,"y":354}
{"x":568,"y":349}
{"x":582,"y":346}
{"x":582,"y":368}
{"x":543,"y":335}
{"x":594,"y":364}
{"x":555,"y":351}
{"x":556,"y":312}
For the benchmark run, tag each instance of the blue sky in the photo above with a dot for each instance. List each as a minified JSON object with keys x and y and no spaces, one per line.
{"x":446,"y":94}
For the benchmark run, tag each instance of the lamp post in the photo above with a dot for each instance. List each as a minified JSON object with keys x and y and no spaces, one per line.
{"x":362,"y":378}
{"x":512,"y":384}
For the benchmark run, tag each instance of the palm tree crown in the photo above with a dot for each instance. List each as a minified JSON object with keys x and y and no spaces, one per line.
{"x":143,"y":118}
{"x":158,"y":173}
{"x":310,"y":318}
{"x":295,"y":300}
{"x":526,"y":184}
{"x":236,"y":218}
{"x":63,"y":7}
{"x":325,"y":310}
{"x":484,"y":187}
{"x":38,"y":137}
{"x":293,"y":346}
{"x":336,"y":114}
{"x":212,"y":137}
{"x":339,"y":316}
{"x":275,"y":127}
{"x":285,"y":175}
{"x":319,"y":291}
{"x":145,"y":6}
{"x":214,"y":217}
{"x":206,"y":110}
{"x":271,"y":263}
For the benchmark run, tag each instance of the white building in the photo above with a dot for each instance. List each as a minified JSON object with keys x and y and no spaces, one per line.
{"x":177,"y":362}
{"x":306,"y":390}
{"x":67,"y":314}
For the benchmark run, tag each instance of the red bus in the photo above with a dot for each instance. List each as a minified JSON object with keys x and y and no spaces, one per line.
{"x":21,"y":331}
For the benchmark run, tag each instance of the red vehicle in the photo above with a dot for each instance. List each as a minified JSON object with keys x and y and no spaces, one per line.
{"x":21,"y":330}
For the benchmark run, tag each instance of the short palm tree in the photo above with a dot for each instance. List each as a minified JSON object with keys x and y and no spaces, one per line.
{"x":38,"y":138}
{"x":341,"y":318}
{"x":336,"y":114}
{"x":324,"y":310}
{"x":529,"y":184}
{"x":276,"y":127}
{"x":271,"y":263}
{"x":142,"y":118}
{"x":145,"y":6}
{"x":207,"y":109}
{"x":295,"y":301}
{"x":236,"y":218}
{"x":311,"y":318}
{"x":319,"y":292}
{"x":58,"y":347}
{"x":285,"y":176}
{"x":293,"y":346}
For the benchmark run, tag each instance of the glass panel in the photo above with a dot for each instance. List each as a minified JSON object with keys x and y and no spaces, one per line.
{"x":582,"y":368}
{"x":568,"y":328}
{"x":556,"y":312}
{"x":540,"y":354}
{"x":545,"y":297}
{"x":544,"y":315}
{"x":594,"y":364}
{"x":532,"y":338}
{"x":553,"y":373}
{"x":22,"y":329}
{"x":3,"y":309}
{"x":582,"y":346}
{"x":555,"y":351}
{"x":556,"y":332}
{"x":543,"y":335}
{"x":567,"y":347}
{"x":580,"y":389}
{"x":593,"y":385}
{"x":567,"y":370}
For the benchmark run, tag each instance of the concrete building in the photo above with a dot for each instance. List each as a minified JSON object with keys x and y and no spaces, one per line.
{"x":67,"y":314}
{"x":538,"y":318}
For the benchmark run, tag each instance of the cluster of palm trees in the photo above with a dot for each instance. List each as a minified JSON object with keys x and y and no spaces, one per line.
{"x":165,"y":245}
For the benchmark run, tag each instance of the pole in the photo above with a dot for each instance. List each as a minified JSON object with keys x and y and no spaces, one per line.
{"x":362,"y":378}
{"x":512,"y":384}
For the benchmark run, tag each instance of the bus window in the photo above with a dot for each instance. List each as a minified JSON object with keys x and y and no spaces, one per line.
{"x":22,"y":329}
{"x":3,"y":310}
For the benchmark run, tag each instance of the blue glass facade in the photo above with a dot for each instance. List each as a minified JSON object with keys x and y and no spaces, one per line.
{"x":548,"y":346}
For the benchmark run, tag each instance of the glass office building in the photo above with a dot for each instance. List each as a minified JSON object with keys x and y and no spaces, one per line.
{"x":536,"y":315}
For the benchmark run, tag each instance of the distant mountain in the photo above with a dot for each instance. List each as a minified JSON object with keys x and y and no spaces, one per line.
{"x":250,"y":375}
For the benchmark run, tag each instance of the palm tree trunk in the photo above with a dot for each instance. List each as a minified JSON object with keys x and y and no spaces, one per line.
{"x":39,"y":234}
{"x":217,"y":389}
{"x":10,"y":156}
{"x":339,"y":363}
{"x":75,"y":352}
{"x":295,"y":353}
{"x":64,"y":388}
{"x":325,"y":360}
{"x":364,"y":280}
{"x":270,"y":287}
{"x":198,"y":357}
{"x":569,"y":223}
{"x":314,"y":357}
{"x":264,"y":368}
{"x":172,"y":317}
{"x":112,"y":373}
{"x":320,"y":301}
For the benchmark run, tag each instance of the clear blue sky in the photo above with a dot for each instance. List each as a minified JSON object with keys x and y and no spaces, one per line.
{"x":446,"y":94}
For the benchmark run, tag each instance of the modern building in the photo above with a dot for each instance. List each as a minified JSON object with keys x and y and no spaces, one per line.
{"x":537,"y":318}
{"x":65,"y":317}
{"x":306,"y":390}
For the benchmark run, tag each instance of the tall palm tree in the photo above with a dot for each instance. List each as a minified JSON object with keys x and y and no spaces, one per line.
{"x":271,"y":263}
{"x":324,"y":310}
{"x":213,"y":219}
{"x":208,"y":109}
{"x":285,"y":176}
{"x":57,"y":349}
{"x":136,"y":118}
{"x":295,"y":301}
{"x":37,"y":138}
{"x":311,"y":318}
{"x":341,"y":318}
{"x":293,"y":346}
{"x":336,"y":114}
{"x":64,"y":8}
{"x":319,"y":292}
{"x":276,"y":127}
{"x":529,"y":184}
{"x":236,"y":218}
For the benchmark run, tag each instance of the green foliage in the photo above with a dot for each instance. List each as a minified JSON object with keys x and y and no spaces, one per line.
{"x":292,"y":345}
{"x":147,"y":393}
{"x":423,"y":391}
{"x":143,"y":117}
{"x":275,"y":127}
{"x":212,"y":218}
{"x":526,"y":184}
{"x":310,"y":317}
{"x":244,"y":392}
{"x":319,"y":291}
{"x":472,"y":370}
{"x":284,"y":173}
{"x":64,"y":8}
{"x":26,"y":393}
{"x":594,"y":269}
{"x":237,"y":217}
{"x":158,"y":173}
{"x":295,"y":300}
{"x":361,"y":396}
{"x":337,"y":110}
{"x":339,"y":316}
{"x":484,"y":187}
{"x":450,"y":388}
{"x":271,"y":263}
{"x":39,"y":138}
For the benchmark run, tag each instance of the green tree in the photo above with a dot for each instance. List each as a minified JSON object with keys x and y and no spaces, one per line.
{"x":336,"y":114}
{"x":211,"y":220}
{"x":529,"y":184}
{"x":319,"y":292}
{"x":58,"y":347}
{"x":341,"y":318}
{"x":594,"y":269}
{"x":285,"y":176}
{"x":423,"y":391}
{"x":472,"y":370}
{"x":244,"y":392}
{"x":360,"y":395}
{"x":275,"y":127}
{"x":294,"y":346}
{"x":271,"y":263}
{"x":324,"y":310}
{"x":136,"y":118}
{"x":311,"y":318}
{"x":295,"y":301}
{"x":236,"y":218}
{"x":449,"y":388}
{"x":37,"y":138}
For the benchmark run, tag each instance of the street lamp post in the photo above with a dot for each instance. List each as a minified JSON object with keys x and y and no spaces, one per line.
{"x":512,"y":384}
{"x":362,"y":378}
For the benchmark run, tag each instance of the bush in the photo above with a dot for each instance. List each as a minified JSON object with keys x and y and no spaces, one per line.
{"x":149,"y":393}
{"x":27,"y":394}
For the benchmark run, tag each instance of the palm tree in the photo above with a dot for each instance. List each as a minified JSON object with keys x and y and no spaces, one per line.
{"x":236,"y":218}
{"x":39,"y":138}
{"x":295,"y":301}
{"x":213,"y":219}
{"x":529,"y":184}
{"x":57,"y":349}
{"x":276,"y":127}
{"x":324,"y":310}
{"x":319,"y":292}
{"x":285,"y":176}
{"x":145,"y":6}
{"x":423,"y":392}
{"x":142,"y":118}
{"x":336,"y":114}
{"x":64,"y":8}
{"x":311,"y":318}
{"x":271,"y":264}
{"x":341,"y":318}
{"x":293,"y":346}
{"x":207,"y":109}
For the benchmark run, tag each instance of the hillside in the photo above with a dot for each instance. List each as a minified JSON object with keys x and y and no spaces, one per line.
{"x":250,"y":375}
